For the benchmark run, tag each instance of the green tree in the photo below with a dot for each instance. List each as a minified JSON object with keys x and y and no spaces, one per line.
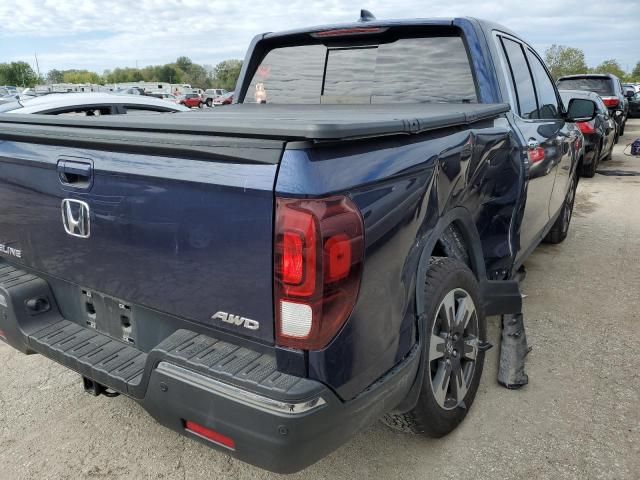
{"x":611,"y":66}
{"x":635,"y":74}
{"x":196,"y":76}
{"x":80,"y":76}
{"x":562,"y":60}
{"x":184,"y":63}
{"x":226,"y":73}
{"x":55,"y":76}
{"x":169,"y":73}
{"x":18,"y":73}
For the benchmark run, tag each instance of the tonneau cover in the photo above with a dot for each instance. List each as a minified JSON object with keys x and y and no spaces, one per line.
{"x":281,"y":122}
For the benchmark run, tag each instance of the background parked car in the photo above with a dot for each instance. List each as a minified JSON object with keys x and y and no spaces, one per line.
{"x":599,"y":134}
{"x":210,"y":94}
{"x":608,"y":87}
{"x":190,"y":100}
{"x":226,"y":99}
{"x":169,"y":97}
{"x":634,"y":105}
{"x":132,"y":91}
{"x":635,"y":87}
{"x":90,"y":104}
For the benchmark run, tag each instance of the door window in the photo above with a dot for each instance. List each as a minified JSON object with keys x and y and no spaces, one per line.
{"x":521,"y":78}
{"x":547,"y":100}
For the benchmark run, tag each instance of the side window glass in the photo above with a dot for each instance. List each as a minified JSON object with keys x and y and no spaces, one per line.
{"x":547,"y":100}
{"x":521,"y":78}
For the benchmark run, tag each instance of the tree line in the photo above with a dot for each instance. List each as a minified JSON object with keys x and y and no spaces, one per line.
{"x":183,"y":70}
{"x":562,"y":60}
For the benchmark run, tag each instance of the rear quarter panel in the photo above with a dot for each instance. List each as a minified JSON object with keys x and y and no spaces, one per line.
{"x":403,"y":187}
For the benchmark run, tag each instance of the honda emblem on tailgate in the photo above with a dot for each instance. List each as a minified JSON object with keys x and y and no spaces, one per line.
{"x":75,"y":218}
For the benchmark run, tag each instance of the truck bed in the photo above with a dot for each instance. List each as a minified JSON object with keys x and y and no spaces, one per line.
{"x":282,"y":122}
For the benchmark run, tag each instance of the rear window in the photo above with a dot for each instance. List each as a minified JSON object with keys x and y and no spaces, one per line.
{"x":601,"y":86}
{"x":407,"y":70}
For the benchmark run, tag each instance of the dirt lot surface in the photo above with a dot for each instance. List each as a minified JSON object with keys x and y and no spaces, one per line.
{"x":579,"y":418}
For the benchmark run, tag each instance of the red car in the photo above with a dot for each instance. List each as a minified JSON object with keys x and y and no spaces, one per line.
{"x":191,"y":100}
{"x":226,"y":99}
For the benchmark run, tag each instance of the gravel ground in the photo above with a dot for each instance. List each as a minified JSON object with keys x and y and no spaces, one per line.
{"x":579,"y":417}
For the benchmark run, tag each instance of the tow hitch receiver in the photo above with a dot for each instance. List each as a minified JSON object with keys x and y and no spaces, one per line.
{"x":96,"y":389}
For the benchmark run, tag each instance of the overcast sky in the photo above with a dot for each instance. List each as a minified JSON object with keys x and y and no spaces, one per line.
{"x":99,"y":35}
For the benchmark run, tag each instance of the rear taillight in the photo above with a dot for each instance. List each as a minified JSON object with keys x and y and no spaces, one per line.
{"x":587,"y":127}
{"x":319,"y":249}
{"x":611,"y":101}
{"x":535,"y":155}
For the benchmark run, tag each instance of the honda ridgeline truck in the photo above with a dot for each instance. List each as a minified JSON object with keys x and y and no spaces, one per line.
{"x":272,"y":277}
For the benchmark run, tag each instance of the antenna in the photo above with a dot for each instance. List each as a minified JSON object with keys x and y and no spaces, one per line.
{"x":366,"y":16}
{"x":35,"y":54}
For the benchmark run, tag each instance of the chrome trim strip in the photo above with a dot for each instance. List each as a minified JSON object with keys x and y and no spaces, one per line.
{"x":237,"y":394}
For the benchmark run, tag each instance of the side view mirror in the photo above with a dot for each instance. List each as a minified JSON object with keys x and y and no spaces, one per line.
{"x":581,"y":110}
{"x":629,"y":93}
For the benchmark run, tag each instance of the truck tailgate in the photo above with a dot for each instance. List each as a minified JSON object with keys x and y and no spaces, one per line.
{"x":188,"y":237}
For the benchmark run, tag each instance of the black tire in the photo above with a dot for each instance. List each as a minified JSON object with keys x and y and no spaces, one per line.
{"x":209,"y":102}
{"x":622,"y":128}
{"x":589,"y":170}
{"x":560,"y":228}
{"x":436,"y":416}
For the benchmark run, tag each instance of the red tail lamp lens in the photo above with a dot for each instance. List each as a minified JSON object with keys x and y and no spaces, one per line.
{"x":536,"y":154}
{"x":319,"y":248}
{"x":292,"y":258}
{"x":586,"y":127}
{"x":611,"y":101}
{"x":338,"y":255}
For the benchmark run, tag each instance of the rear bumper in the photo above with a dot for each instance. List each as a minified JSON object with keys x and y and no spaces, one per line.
{"x":264,"y":434}
{"x":276,"y":421}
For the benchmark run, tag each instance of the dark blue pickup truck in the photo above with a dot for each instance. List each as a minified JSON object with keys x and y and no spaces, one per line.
{"x":271,"y":277}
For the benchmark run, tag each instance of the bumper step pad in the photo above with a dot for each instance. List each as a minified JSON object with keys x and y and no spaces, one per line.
{"x":92,"y":354}
{"x":122,"y":366}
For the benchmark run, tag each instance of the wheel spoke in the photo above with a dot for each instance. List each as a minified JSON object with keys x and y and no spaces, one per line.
{"x":460,"y":384}
{"x":449,"y":306}
{"x":470,"y":348}
{"x":436,"y":347}
{"x":441,"y":382}
{"x":466,"y":309}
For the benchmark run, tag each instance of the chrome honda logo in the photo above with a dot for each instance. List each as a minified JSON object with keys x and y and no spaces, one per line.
{"x":75,"y":218}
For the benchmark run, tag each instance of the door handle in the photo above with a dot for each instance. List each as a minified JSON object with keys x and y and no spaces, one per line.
{"x":75,"y":173}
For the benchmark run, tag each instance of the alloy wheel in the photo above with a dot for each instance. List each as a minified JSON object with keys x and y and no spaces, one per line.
{"x":453,"y":348}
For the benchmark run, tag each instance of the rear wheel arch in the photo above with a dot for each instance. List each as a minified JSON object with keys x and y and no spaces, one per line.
{"x":455,"y":231}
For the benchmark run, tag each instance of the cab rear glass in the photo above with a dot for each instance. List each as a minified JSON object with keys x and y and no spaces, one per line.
{"x":429,"y":69}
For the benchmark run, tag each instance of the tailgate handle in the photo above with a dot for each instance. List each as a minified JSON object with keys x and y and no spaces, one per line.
{"x":74,"y":173}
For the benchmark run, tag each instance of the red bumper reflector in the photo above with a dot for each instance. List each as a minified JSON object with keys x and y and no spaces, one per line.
{"x":210,"y":435}
{"x":2,"y":335}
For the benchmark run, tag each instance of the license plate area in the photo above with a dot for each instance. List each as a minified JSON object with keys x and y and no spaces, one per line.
{"x":109,"y":315}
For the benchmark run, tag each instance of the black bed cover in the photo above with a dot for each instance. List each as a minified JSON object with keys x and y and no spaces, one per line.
{"x":202,"y":129}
